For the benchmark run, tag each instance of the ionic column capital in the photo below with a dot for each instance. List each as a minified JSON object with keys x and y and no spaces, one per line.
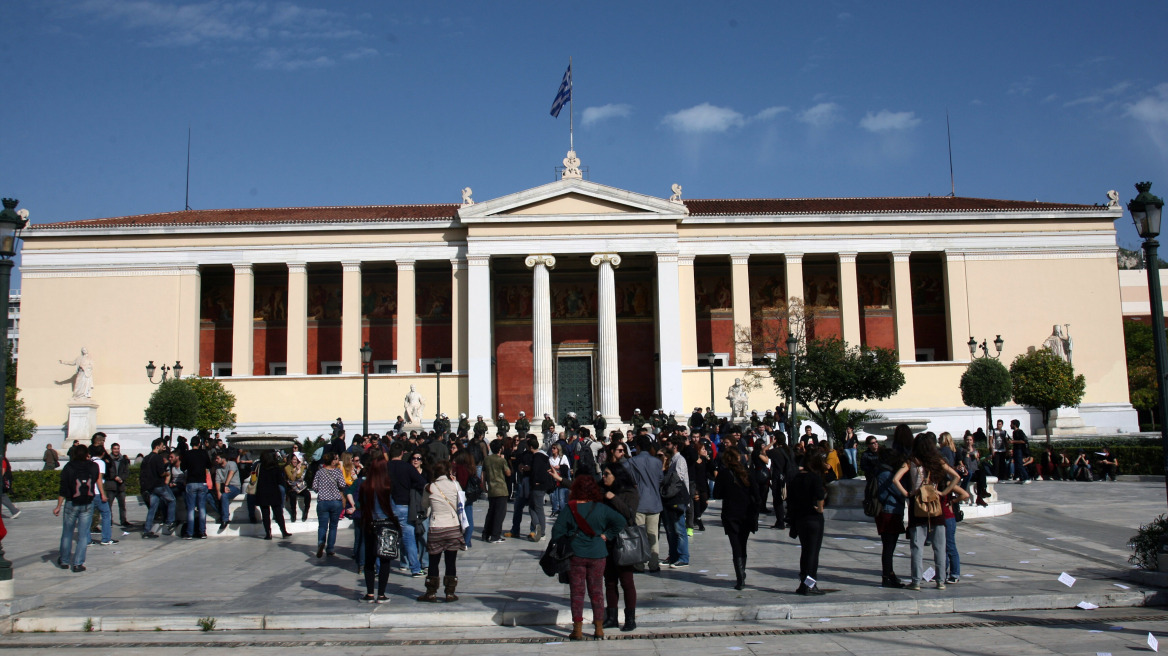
{"x":242,"y":267}
{"x":297,"y":267}
{"x":847,"y":258}
{"x":533,"y":261}
{"x":612,"y":258}
{"x":686,"y":259}
{"x":900,"y":256}
{"x":351,"y":266}
{"x":739,"y":258}
{"x":405,"y":265}
{"x":478,"y":260}
{"x":793,"y":258}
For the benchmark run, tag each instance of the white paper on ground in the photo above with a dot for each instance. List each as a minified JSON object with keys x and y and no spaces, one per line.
{"x":1066,"y":579}
{"x":1102,"y":653}
{"x":734,"y":648}
{"x":1153,"y":643}
{"x":1086,"y":605}
{"x":980,"y":535}
{"x":869,"y":547}
{"x":1120,"y":585}
{"x":702,"y":571}
{"x":1036,"y":549}
{"x":1052,"y":538}
{"x":846,"y":538}
{"x":929,"y":574}
{"x":721,"y":575}
{"x":127,"y":533}
{"x":553,"y":643}
{"x":809,"y":582}
{"x":828,"y":619}
{"x":970,"y":553}
{"x":1023,"y":562}
{"x":968,"y":574}
{"x":1003,"y":577}
{"x":1095,"y":631}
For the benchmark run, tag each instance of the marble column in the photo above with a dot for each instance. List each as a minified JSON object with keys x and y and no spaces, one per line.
{"x":957,"y":305}
{"x":242,"y":325}
{"x":793,"y":267}
{"x":688,"y":318}
{"x":740,"y":293}
{"x":350,"y":317}
{"x":407,"y":317}
{"x":297,"y":357}
{"x":479,"y":342}
{"x":849,"y":298}
{"x":189,"y":317}
{"x":458,"y":315}
{"x":606,"y":319}
{"x":541,"y":334}
{"x":668,"y":335}
{"x":906,"y":341}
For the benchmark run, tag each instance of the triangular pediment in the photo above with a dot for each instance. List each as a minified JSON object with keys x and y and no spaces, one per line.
{"x":571,"y":200}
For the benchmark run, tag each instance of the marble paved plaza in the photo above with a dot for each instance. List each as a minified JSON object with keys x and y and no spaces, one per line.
{"x":1008,"y":563}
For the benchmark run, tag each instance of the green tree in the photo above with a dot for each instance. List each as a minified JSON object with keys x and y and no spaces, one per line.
{"x":17,"y":427}
{"x":1046,"y":382}
{"x":1141,"y":366}
{"x":215,"y":404}
{"x":173,"y":404}
{"x":986,"y":384}
{"x":830,"y":372}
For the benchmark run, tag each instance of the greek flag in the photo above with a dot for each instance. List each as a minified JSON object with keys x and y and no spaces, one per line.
{"x":564,"y":95}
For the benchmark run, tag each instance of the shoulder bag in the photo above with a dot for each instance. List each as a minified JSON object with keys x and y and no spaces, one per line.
{"x":631,"y":546}
{"x":388,"y":539}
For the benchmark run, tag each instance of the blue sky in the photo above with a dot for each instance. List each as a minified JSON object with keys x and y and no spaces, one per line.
{"x":353,"y":103}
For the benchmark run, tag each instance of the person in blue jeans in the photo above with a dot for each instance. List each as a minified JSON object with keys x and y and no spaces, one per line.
{"x":75,"y":497}
{"x":197,"y":465}
{"x":227,"y":480}
{"x":851,"y":443}
{"x":405,"y":475}
{"x":153,"y":477}
{"x":952,"y":556}
{"x":1021,"y":450}
{"x":331,"y":492}
{"x":100,"y":504}
{"x":673,"y":512}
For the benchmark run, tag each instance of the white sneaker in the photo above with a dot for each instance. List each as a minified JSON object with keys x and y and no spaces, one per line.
{"x":15,"y":515}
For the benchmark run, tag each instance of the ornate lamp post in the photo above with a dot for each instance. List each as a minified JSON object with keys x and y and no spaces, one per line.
{"x":150,"y":369}
{"x":710,"y":361}
{"x":792,"y":421}
{"x":1145,"y":211}
{"x":974,"y":346}
{"x":366,"y":360}
{"x":12,"y":222}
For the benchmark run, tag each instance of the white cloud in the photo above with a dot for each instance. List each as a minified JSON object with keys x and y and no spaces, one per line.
{"x":593,"y":115}
{"x":769,"y":113}
{"x":821,"y":115}
{"x":275,"y":35}
{"x":1100,"y":96}
{"x":704,"y":118}
{"x":886,"y":121}
{"x":1050,"y":98}
{"x":1152,"y":110}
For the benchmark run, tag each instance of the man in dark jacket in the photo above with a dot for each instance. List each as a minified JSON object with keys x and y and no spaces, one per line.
{"x":783,"y":469}
{"x":542,"y":482}
{"x":646,"y":470}
{"x":117,"y":470}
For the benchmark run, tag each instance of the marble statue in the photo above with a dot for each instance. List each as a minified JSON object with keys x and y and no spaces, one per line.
{"x":737,"y":398}
{"x":414,"y":406}
{"x":676,"y":197}
{"x":571,"y":167}
{"x":466,"y":199}
{"x":1112,"y":199}
{"x":1059,"y":343}
{"x":83,"y":377}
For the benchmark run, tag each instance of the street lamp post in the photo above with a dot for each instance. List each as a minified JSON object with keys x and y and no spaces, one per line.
{"x":366,"y":359}
{"x":150,"y":369}
{"x":792,"y":421}
{"x":710,"y":361}
{"x":1145,"y":211}
{"x":438,"y":388}
{"x":985,"y":353}
{"x":12,"y":222}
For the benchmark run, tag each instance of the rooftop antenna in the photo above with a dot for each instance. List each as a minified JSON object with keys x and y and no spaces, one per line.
{"x":949,"y":135}
{"x":187,"y":203}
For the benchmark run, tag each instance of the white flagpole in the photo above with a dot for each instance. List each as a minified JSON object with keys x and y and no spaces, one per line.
{"x":571,"y":107}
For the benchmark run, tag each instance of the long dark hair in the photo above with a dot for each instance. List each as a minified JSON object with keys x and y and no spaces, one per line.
{"x":902,"y":439}
{"x":377,"y":485}
{"x":927,"y":455}
{"x":733,"y":461}
{"x":621,"y":478}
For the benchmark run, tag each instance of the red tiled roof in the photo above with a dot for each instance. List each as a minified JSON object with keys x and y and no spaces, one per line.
{"x":268,"y":216}
{"x":925,"y":204}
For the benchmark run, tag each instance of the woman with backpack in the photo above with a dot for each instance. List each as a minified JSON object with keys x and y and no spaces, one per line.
{"x":931,"y":481}
{"x":741,"y":503}
{"x":590,"y":525}
{"x":77,"y":481}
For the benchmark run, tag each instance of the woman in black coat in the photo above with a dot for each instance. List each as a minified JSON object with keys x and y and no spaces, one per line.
{"x":620,"y":494}
{"x":740,"y":507}
{"x":270,"y":482}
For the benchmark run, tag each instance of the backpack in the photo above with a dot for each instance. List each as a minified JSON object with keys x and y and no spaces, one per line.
{"x":80,"y":483}
{"x":586,"y":460}
{"x":872,"y":503}
{"x":474,"y":488}
{"x":927,"y":501}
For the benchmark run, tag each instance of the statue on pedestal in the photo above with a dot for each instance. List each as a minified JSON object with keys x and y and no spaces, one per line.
{"x":83,"y":377}
{"x":738,"y":399}
{"x":414,"y":406}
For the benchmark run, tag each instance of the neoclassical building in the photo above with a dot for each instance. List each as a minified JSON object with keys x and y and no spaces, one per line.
{"x":571,"y":296}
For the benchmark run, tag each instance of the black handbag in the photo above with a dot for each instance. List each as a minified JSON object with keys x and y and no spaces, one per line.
{"x":556,"y":558}
{"x":631,"y":546}
{"x":388,"y":539}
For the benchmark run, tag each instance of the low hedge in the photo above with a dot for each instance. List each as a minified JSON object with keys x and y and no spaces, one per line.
{"x":1133,"y":460}
{"x":44,"y":485}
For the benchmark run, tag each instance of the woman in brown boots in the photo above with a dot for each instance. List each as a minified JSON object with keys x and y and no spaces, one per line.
{"x":441,"y":500}
{"x":591,"y":525}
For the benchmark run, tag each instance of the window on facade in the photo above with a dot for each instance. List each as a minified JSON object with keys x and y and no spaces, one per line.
{"x":221,"y":369}
{"x":330,"y":368}
{"x":720,"y":359}
{"x":384,"y":367}
{"x":277,"y":368}
{"x":431,"y":365}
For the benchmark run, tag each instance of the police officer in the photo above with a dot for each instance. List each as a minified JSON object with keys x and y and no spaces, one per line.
{"x":638,"y":419}
{"x":463,"y":425}
{"x":522,"y":426}
{"x":599,"y":424}
{"x":480,"y":427}
{"x":503,"y":424}
{"x":571,"y":423}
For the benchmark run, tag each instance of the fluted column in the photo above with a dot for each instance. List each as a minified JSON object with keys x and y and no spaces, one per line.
{"x":740,"y":293}
{"x":407,"y":331}
{"x":606,"y":324}
{"x":688,"y":318}
{"x":480,"y":340}
{"x":297,"y":358}
{"x":242,"y":326}
{"x":668,"y":336}
{"x":350,"y":317}
{"x":906,"y":343}
{"x":541,"y":333}
{"x":458,"y":316}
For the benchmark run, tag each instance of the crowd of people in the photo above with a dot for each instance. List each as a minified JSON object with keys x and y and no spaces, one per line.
{"x":661,"y":476}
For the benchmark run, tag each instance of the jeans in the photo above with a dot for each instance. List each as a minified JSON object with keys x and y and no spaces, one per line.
{"x":468,"y":534}
{"x":522,"y":500}
{"x":196,"y":505}
{"x":952,"y":557}
{"x":675,"y":533}
{"x":559,"y":499}
{"x":535,"y":510}
{"x":102,"y":506}
{"x":411,"y":546}
{"x":160,"y":494}
{"x":328,"y":515}
{"x":851,"y":456}
{"x":917,"y":538}
{"x":1019,"y":468}
{"x":229,"y":493}
{"x":74,"y":517}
